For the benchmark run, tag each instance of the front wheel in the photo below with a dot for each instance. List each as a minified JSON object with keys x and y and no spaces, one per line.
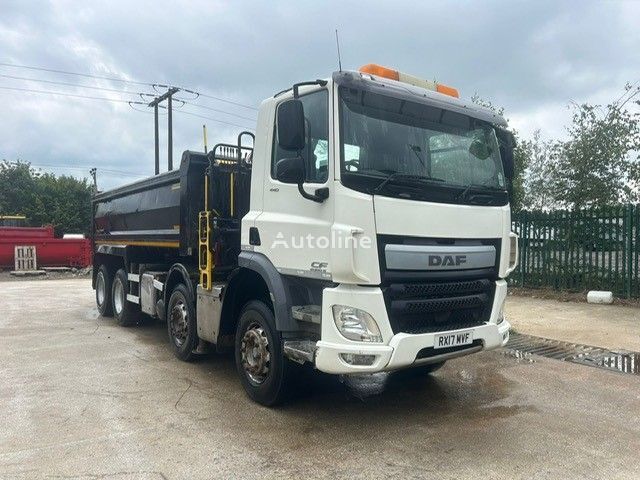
{"x":264,"y":371}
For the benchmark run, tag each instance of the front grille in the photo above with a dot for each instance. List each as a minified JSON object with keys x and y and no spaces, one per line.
{"x":439,"y":304}
{"x":436,"y":307}
{"x":435,"y":289}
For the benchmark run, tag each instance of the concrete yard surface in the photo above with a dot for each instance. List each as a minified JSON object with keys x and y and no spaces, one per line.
{"x":610,"y":326}
{"x":84,"y":399}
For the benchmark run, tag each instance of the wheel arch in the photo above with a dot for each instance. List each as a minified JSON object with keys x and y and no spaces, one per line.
{"x":112,"y":260}
{"x":256,"y":279}
{"x":178,"y":273}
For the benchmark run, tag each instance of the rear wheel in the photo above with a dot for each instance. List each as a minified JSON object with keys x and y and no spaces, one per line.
{"x":124,"y":311}
{"x":103,"y":292}
{"x":264,"y":371}
{"x":181,"y":323}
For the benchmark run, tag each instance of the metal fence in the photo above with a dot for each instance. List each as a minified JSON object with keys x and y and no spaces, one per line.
{"x":589,"y":249}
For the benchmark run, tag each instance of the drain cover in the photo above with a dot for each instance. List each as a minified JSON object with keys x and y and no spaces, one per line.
{"x":619,"y":360}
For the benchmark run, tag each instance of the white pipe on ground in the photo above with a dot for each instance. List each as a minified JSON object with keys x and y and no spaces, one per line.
{"x":597,"y":296}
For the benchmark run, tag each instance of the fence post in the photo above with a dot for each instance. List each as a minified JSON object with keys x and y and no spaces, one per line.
{"x":629,"y":247}
{"x":524,"y":229}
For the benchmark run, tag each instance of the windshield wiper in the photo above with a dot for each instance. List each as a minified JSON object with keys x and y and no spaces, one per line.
{"x":405,"y":176}
{"x":477,"y":186}
{"x":415,"y":149}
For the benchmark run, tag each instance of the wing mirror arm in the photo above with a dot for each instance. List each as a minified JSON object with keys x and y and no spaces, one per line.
{"x":292,"y":170}
{"x":319,"y":196}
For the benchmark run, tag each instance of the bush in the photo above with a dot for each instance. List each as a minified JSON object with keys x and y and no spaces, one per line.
{"x":63,"y":201}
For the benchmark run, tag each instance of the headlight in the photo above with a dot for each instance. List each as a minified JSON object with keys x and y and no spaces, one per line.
{"x":356,"y":324}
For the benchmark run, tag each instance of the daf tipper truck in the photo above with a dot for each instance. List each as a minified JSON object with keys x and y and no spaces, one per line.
{"x":364,"y":228}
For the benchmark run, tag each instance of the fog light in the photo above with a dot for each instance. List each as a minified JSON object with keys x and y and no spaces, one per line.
{"x":356,"y":324}
{"x":357,"y":359}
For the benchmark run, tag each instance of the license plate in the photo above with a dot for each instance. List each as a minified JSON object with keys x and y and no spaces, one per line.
{"x":447,"y":340}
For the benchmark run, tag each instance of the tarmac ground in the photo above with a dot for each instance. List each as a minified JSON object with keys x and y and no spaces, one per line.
{"x":85,"y":399}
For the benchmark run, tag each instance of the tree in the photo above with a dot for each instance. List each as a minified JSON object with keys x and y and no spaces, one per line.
{"x":44,"y":198}
{"x":598,"y":164}
{"x":539,"y":178}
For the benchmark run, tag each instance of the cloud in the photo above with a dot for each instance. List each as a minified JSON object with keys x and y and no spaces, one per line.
{"x":533,"y":58}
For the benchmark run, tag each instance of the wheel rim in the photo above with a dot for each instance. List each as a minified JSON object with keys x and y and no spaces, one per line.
{"x":118,"y":296}
{"x":100,"y":288}
{"x":256,"y":358}
{"x":179,"y":323}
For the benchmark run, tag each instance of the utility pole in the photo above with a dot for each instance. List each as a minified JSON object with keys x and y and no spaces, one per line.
{"x":155,"y":103}
{"x":204,"y":134}
{"x":92,"y":172}
{"x":170,"y":132}
{"x":157,"y":140}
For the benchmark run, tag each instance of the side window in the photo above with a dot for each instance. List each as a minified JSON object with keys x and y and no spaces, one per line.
{"x":316,"y":151}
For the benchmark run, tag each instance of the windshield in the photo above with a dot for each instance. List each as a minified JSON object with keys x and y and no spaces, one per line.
{"x":387,"y":142}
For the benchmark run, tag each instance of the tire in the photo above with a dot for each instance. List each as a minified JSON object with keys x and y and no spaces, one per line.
{"x":265,"y":378}
{"x":429,"y":368}
{"x":103,"y":292}
{"x":181,"y":323}
{"x":124,"y":311}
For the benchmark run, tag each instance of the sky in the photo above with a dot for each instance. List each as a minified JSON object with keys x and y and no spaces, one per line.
{"x":533,"y":58}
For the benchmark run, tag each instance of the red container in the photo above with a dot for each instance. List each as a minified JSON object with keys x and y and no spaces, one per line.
{"x":50,"y":251}
{"x":27,"y":232}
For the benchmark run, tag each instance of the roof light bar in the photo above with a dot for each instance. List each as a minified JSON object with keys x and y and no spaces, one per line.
{"x":380,"y":71}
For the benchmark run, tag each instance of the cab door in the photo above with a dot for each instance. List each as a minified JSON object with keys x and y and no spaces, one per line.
{"x":295,"y":233}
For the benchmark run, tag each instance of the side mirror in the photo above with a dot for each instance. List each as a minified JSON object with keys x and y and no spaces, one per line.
{"x":290,"y":123}
{"x":507,"y":143}
{"x":290,"y":170}
{"x":507,"y":162}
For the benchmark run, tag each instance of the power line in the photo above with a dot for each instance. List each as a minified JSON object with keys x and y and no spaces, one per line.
{"x":114,"y":90}
{"x":216,"y":110}
{"x":77,"y":167}
{"x":89,"y":97}
{"x":133,"y":82}
{"x":214,"y":119}
{"x":73,"y":95}
{"x":68,"y":84}
{"x":64,"y":72}
{"x":205,"y":95}
{"x":147,"y":111}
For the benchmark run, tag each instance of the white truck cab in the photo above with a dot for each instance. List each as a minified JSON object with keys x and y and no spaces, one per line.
{"x":407,"y":231}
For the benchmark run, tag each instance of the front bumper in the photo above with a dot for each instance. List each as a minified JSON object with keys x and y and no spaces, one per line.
{"x":398,"y":350}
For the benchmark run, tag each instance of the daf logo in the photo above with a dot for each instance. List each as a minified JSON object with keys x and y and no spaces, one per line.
{"x":447,"y":260}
